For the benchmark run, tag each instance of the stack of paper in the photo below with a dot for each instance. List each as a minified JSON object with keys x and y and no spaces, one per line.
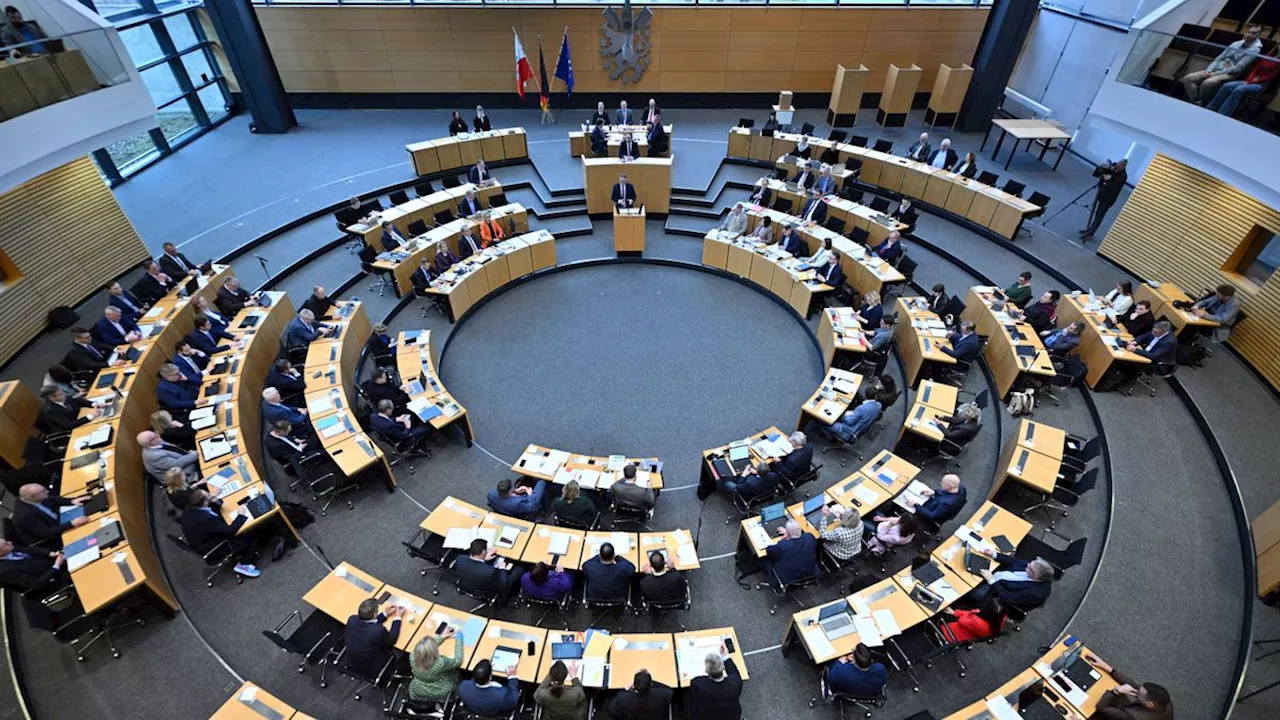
{"x":868,"y":630}
{"x":865,"y":495}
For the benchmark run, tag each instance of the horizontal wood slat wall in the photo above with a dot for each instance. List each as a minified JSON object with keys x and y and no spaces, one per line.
{"x":1182,"y":225}
{"x":422,"y":49}
{"x":68,"y":237}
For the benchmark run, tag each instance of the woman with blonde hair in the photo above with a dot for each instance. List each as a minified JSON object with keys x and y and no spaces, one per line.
{"x":435,"y":676}
{"x":176,"y":489}
{"x":172,"y":431}
{"x":573,"y":508}
{"x":871,"y":311}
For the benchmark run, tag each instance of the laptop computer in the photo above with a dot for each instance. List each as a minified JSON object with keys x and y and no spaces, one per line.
{"x":109,"y":535}
{"x":813,"y":510}
{"x":95,"y":504}
{"x":974,"y":562}
{"x":835,"y":620}
{"x":773,"y":517}
{"x":258,"y":506}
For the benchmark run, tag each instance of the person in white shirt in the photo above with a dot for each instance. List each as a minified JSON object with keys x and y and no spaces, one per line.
{"x":822,"y":256}
{"x":1121,"y":299}
{"x":944,"y":158}
{"x":736,"y":221}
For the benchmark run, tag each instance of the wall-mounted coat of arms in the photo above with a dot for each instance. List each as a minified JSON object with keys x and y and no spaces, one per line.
{"x":625,"y":42}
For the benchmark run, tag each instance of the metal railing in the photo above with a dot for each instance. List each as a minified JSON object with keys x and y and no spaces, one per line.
{"x":47,"y":70}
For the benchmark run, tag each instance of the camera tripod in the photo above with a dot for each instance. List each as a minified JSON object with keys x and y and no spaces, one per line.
{"x":1076,"y":201}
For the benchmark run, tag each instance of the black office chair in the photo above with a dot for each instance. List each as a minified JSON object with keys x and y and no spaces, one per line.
{"x":880,"y":205}
{"x":834,"y":223}
{"x":951,"y":451}
{"x":605,"y":606}
{"x":661,"y":610}
{"x":988,"y":178}
{"x":444,"y":216}
{"x":1145,"y":376}
{"x":327,"y":486}
{"x":497,"y":200}
{"x":919,"y":645}
{"x":219,"y":557}
{"x":746,"y":122}
{"x":806,"y":129}
{"x":367,"y":680}
{"x":1013,"y":187}
{"x":429,"y":548}
{"x":1041,"y":201}
{"x":449,"y":182}
{"x":883,"y":146}
{"x":423,"y":188}
{"x":788,"y":590}
{"x":837,"y":136}
{"x":403,"y":450}
{"x":851,"y":193}
{"x":860,"y":141}
{"x":566,"y":523}
{"x":630,"y":515}
{"x":1071,"y":374}
{"x":782,"y":204}
{"x":744,"y":507}
{"x":398,"y":197}
{"x":859,"y":235}
{"x":1077,"y":461}
{"x":311,"y":640}
{"x":827,"y":696}
{"x":1062,"y":560}
{"x":486,"y":599}
{"x":417,"y":227}
{"x":382,"y":278}
{"x":1068,"y":495}
{"x":59,"y":611}
{"x":561,"y":607}
{"x":907,"y":267}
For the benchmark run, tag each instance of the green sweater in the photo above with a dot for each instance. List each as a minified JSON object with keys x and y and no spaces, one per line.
{"x":571,"y":705}
{"x":436,"y":682}
{"x":1019,"y":295}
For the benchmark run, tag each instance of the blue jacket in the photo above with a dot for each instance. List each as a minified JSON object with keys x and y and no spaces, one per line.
{"x":207,"y":343}
{"x":129,"y":304}
{"x":196,"y":374}
{"x":490,"y":701}
{"x":607,"y":582}
{"x":856,"y":421}
{"x":1163,"y":350}
{"x":794,"y":558}
{"x":887,"y":252}
{"x":849,"y":679}
{"x":105,"y":332}
{"x":1025,"y":595}
{"x":749,"y":486}
{"x":942,"y":506}
{"x":177,"y":395}
{"x":832,"y":275}
{"x":797,"y":462}
{"x":285,"y":383}
{"x":369,"y":643}
{"x":1062,"y":341}
{"x":520,"y":506}
{"x":281,"y":411}
{"x":964,"y":349}
{"x":298,"y":334}
{"x":792,"y":244}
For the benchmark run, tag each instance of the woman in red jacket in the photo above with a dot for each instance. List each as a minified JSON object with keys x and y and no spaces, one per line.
{"x":980,"y":624}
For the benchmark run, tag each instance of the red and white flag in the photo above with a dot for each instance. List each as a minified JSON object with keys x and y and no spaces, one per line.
{"x":523,"y":71}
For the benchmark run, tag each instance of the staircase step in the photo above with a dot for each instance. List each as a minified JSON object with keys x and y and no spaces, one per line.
{"x":563,"y":227}
{"x":690,"y":225}
{"x":706,"y":211}
{"x":563,"y":211}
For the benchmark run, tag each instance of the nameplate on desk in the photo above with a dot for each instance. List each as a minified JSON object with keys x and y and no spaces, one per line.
{"x":358,"y":582}
{"x":122,"y":562}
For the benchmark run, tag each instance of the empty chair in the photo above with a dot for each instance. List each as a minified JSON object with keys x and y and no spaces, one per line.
{"x":806,"y":129}
{"x":444,"y":216}
{"x":450,"y":181}
{"x":424,"y":188}
{"x":834,"y":224}
{"x":1013,"y":187}
{"x":1041,"y":201}
{"x":907,"y":267}
{"x":851,"y":193}
{"x":883,"y":146}
{"x":497,"y":200}
{"x":837,"y":136}
{"x":880,"y":204}
{"x":782,"y":204}
{"x":417,"y":227}
{"x":859,"y":140}
{"x":311,"y":640}
{"x":399,"y":197}
{"x":859,"y":235}
{"x":746,"y":123}
{"x":988,"y":178}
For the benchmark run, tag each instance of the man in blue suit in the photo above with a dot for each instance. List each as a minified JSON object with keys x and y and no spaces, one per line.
{"x":274,"y":410}
{"x":831,"y":273}
{"x":815,"y":210}
{"x":191,"y":362}
{"x":130,"y":306}
{"x":369,"y":644}
{"x":943,"y":505}
{"x":1158,"y":346}
{"x":205,"y":337}
{"x":469,"y":205}
{"x":965,"y":345}
{"x":304,"y":329}
{"x":790,"y":241}
{"x":793,"y":557}
{"x":522,"y":502}
{"x":286,"y":379}
{"x":755,"y":481}
{"x":176,"y":392}
{"x":482,"y":696}
{"x":115,"y":329}
{"x":397,"y":429}
{"x":624,"y":113}
{"x":391,"y":237}
{"x":796,"y":463}
{"x":1021,"y":583}
{"x":826,"y":184}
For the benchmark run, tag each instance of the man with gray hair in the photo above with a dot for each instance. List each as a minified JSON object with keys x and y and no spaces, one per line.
{"x":304,"y":329}
{"x":1021,"y":583}
{"x":794,"y":557}
{"x":159,"y":456}
{"x":232,"y":298}
{"x":715,"y":695}
{"x":797,"y":462}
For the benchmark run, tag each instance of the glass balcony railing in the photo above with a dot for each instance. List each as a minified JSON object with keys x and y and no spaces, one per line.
{"x":48,"y":70}
{"x":1236,"y":76}
{"x":571,"y":3}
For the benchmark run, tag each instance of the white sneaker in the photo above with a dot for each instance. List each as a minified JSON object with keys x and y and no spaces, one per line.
{"x":247,"y":570}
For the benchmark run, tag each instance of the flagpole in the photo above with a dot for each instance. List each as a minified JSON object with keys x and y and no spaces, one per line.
{"x":560,"y":53}
{"x":547,"y":117}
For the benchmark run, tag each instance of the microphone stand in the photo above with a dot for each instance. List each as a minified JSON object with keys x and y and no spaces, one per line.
{"x":263,"y":262}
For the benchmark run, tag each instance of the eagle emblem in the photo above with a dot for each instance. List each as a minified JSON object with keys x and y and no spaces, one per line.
{"x":624,"y":42}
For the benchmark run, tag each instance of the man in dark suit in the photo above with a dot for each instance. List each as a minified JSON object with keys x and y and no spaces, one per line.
{"x":482,"y":572}
{"x":23,"y":569}
{"x":319,"y":302}
{"x":920,"y":150}
{"x":391,"y":237}
{"x":114,"y":329}
{"x":623,"y":193}
{"x":191,"y":362}
{"x":659,"y":143}
{"x":760,"y":195}
{"x":304,"y":329}
{"x":282,"y":445}
{"x":154,"y":284}
{"x":629,"y":149}
{"x":1140,"y":320}
{"x":660,"y":583}
{"x":600,"y":116}
{"x":944,"y":157}
{"x":652,"y":113}
{"x":756,"y":480}
{"x":481,"y":121}
{"x":468,"y":244}
{"x":478,"y":173}
{"x":1020,"y":583}
{"x":379,"y":387}
{"x":286,"y":379}
{"x":826,"y":184}
{"x":398,"y":429}
{"x":469,"y":205}
{"x":965,"y":344}
{"x":599,"y":141}
{"x":797,"y":462}
{"x":176,"y":392}
{"x":715,"y":694}
{"x":945,"y":504}
{"x":831,"y":273}
{"x":607,"y":576}
{"x":274,"y":411}
{"x":815,"y":210}
{"x":1158,"y":346}
{"x":61,"y":413}
{"x":644,"y":700}
{"x":86,"y":355}
{"x":36,"y":518}
{"x":204,"y":528}
{"x":793,"y":557}
{"x":368,"y":642}
{"x":625,"y":115}
{"x":790,"y":241}
{"x":175,"y":264}
{"x":483,"y":696}
{"x":130,"y":306}
{"x":205,"y":336}
{"x":232,"y":298}
{"x":805,"y":177}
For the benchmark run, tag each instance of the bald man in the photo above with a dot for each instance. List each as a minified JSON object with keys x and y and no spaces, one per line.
{"x":945,"y":504}
{"x":158,"y":456}
{"x":793,"y":557}
{"x":36,"y":517}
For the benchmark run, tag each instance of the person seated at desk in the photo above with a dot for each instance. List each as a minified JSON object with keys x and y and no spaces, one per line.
{"x":481,"y":121}
{"x":736,"y":221}
{"x":939,"y":301}
{"x":25,"y":569}
{"x":468,"y":244}
{"x":399,"y":429}
{"x":823,"y":255}
{"x":304,"y":329}
{"x":981,"y":623}
{"x":606,"y":577}
{"x":624,"y":113}
{"x":282,"y":446}
{"x":379,"y":387}
{"x":191,"y":361}
{"x":794,"y":557}
{"x":457,"y":124}
{"x":469,"y":205}
{"x":715,"y":694}
{"x":884,"y":333}
{"x":391,"y":237}
{"x":445,"y":258}
{"x":825,"y":184}
{"x":651,"y":114}
{"x":232,"y":298}
{"x":478,"y":173}
{"x":803,"y":149}
{"x":1221,"y":307}
{"x":944,"y":158}
{"x":1140,"y":320}
{"x":756,"y":480}
{"x":882,"y":384}
{"x":891,"y":249}
{"x":856,"y":421}
{"x":1065,"y":340}
{"x":284,"y":377}
{"x":628,"y":149}
{"x":573,"y":507}
{"x":175,"y":264}
{"x":130,"y":306}
{"x":176,"y":392}
{"x":890,"y":531}
{"x":1042,"y":314}
{"x":626,"y":493}
{"x":905,"y":213}
{"x":482,"y":572}
{"x":871,"y":311}
{"x":857,"y":674}
{"x":942,"y":506}
{"x":521,"y":502}
{"x":491,"y":232}
{"x":789,"y":240}
{"x":830,"y":155}
{"x":796,"y":462}
{"x":61,"y":413}
{"x":545,"y":583}
{"x":841,"y":532}
{"x":1158,"y":346}
{"x":1129,"y":700}
{"x":60,"y":376}
{"x":319,"y":302}
{"x":434,"y":675}
{"x":831,"y":273}
{"x":172,"y":431}
{"x":623,"y":194}
{"x":205,"y":337}
{"x":1020,"y":583}
{"x":1230,"y":94}
{"x":764,"y":231}
{"x":968,"y":167}
{"x":646,"y":699}
{"x":601,"y":116}
{"x":1121,"y":298}
{"x":660,"y":583}
{"x":382,"y":346}
{"x":154,"y":284}
{"x":963,"y":425}
{"x":965,"y":344}
{"x":158,"y":456}
{"x":659,"y":142}
{"x":920,"y":150}
{"x":36,"y":516}
{"x":1019,"y":293}
{"x":815,"y":208}
{"x":761,"y":195}
{"x":805,"y":177}
{"x":561,"y":700}
{"x":204,"y":528}
{"x":482,"y":695}
{"x":114,"y":329}
{"x":202,"y":307}
{"x":368,"y":642}
{"x":274,"y":409}
{"x":599,"y":141}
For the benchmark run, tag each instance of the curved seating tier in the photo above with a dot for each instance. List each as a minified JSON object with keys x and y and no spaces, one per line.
{"x":1061,"y":691}
{"x":598,"y":472}
{"x":458,"y":151}
{"x":416,"y":364}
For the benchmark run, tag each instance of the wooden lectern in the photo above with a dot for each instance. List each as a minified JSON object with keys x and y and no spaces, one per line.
{"x":948,"y":94}
{"x":628,"y":231}
{"x":899,"y":91}
{"x":846,"y":96}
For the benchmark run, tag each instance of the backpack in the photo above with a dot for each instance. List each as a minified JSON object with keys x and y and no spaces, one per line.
{"x":299,"y":516}
{"x":1190,"y":354}
{"x":1022,"y":403}
{"x":63,"y":317}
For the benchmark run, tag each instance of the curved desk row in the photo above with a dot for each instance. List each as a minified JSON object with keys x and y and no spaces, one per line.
{"x":1013,"y":347}
{"x":103,"y":456}
{"x":459,"y":151}
{"x":593,"y":472}
{"x":1162,"y":297}
{"x":920,"y":336}
{"x":406,"y":259}
{"x":329,"y":371}
{"x":768,"y":266}
{"x":864,"y":270}
{"x":673,"y":659}
{"x":470,"y":280}
{"x":424,"y":209}
{"x":933,"y":402}
{"x":984,"y":205}
{"x":428,"y":397}
{"x":457,"y":523}
{"x":580,"y":140}
{"x":832,"y":399}
{"x":768,"y":445}
{"x":250,"y":702}
{"x":1100,"y":346}
{"x":1071,"y":690}
{"x":841,"y":336}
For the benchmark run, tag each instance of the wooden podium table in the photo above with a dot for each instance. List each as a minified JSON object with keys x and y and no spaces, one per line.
{"x":650,"y":176}
{"x":628,"y":231}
